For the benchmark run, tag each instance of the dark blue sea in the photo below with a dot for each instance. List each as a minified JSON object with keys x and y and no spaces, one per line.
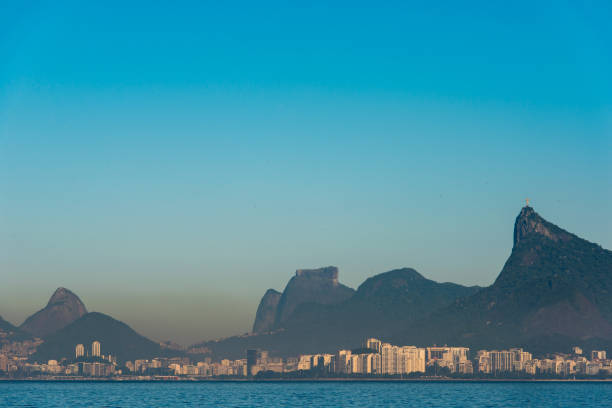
{"x":298,"y":394}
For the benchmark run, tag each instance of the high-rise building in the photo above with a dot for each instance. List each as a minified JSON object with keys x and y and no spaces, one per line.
{"x":3,"y":362}
{"x":484,"y":361}
{"x":449,"y":357}
{"x":374,"y":344}
{"x":342,"y":361}
{"x":263,"y":357}
{"x":79,"y":350}
{"x":598,"y":355}
{"x":411,"y":359}
{"x":389,"y":358}
{"x":305,"y":362}
{"x":502,"y":361}
{"x":400,"y":360}
{"x":251,"y":361}
{"x":520,"y":359}
{"x":95,"y":349}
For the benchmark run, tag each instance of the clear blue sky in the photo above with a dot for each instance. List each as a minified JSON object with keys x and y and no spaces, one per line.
{"x":171,"y":164}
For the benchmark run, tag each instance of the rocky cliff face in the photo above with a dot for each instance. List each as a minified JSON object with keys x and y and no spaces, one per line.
{"x":63,"y":308}
{"x":554,"y":290}
{"x":529,"y":222}
{"x":551,"y":276}
{"x":381,"y":305}
{"x":318,"y":286}
{"x":266,"y":312}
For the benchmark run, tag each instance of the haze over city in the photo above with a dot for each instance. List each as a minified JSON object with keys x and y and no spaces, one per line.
{"x":170,"y":166}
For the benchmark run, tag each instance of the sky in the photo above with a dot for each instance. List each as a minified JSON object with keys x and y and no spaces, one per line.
{"x":169,"y":163}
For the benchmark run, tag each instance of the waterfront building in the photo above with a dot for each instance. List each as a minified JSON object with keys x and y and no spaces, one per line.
{"x":291,"y":364}
{"x":593,"y":368}
{"x":520,"y":358}
{"x":449,"y":357}
{"x":450,"y":354}
{"x":175,"y":367}
{"x":190,"y":370}
{"x":502,"y":361}
{"x":203,"y":369}
{"x":598,"y":355}
{"x":95,"y":349}
{"x":505,"y":361}
{"x":401,"y":360}
{"x":343,"y":361}
{"x":374,"y":344}
{"x":411,"y":360}
{"x":275,"y":364}
{"x":72,"y":369}
{"x":305,"y":362}
{"x":141,"y":365}
{"x":79,"y":350}
{"x":4,"y":362}
{"x":465,"y":367}
{"x":484,"y":361}
{"x":376,"y":364}
{"x":251,"y":362}
{"x":531,"y":367}
{"x":388,"y":355}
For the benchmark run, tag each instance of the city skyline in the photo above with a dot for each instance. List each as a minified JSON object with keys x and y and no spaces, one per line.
{"x":195,"y":159}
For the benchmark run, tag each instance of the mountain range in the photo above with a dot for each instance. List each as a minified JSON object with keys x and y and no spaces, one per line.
{"x":64,"y":322}
{"x":554,"y":291}
{"x":380,"y":304}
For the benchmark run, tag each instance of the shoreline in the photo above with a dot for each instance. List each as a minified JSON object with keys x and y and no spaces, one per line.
{"x":307,"y":380}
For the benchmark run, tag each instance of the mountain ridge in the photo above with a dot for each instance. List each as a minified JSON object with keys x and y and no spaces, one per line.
{"x":554,"y":291}
{"x":316,"y":327}
{"x":553,"y":284}
{"x":116,"y":338}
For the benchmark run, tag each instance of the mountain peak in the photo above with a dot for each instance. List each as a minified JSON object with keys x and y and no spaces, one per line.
{"x":62,"y":295}
{"x":530,"y":222}
{"x":311,"y":286}
{"x":63,"y":308}
{"x":266,"y":312}
{"x":329,"y":273}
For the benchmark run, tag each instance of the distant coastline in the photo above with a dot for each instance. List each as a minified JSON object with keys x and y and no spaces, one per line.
{"x":311,"y":380}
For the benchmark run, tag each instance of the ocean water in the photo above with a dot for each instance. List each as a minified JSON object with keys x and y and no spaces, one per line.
{"x":298,"y":394}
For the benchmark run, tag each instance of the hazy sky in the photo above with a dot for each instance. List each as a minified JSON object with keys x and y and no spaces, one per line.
{"x":169,"y":165}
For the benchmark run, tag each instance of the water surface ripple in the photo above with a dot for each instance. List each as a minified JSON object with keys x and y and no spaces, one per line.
{"x":297,"y":394}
